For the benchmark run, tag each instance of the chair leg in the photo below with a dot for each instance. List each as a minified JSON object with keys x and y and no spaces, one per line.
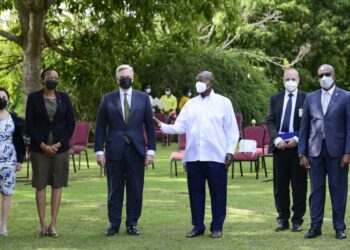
{"x":75,"y":170}
{"x":176,"y":168}
{"x":257,"y":168}
{"x":240,"y":166}
{"x":264,"y":163}
{"x":79,"y":161}
{"x":251,"y":167}
{"x":152,"y":165}
{"x":87,"y":158}
{"x":171,"y":168}
{"x":232,"y":170}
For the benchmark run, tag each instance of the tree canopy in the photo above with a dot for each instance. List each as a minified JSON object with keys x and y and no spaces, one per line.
{"x":245,"y":43}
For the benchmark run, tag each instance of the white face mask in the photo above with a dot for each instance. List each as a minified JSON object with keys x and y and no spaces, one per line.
{"x":326,"y":82}
{"x":148,"y":90}
{"x":201,"y":87}
{"x":291,"y":85}
{"x":167,"y":92}
{"x":189,"y":94}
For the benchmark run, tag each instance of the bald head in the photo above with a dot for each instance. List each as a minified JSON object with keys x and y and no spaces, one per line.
{"x":205,"y":76}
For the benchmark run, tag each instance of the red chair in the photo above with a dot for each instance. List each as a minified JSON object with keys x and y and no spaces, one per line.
{"x":178,"y":155}
{"x":256,"y":133}
{"x":159,"y":133}
{"x":81,"y":140}
{"x":239,"y":118}
{"x":71,"y":150}
{"x":267,"y":139}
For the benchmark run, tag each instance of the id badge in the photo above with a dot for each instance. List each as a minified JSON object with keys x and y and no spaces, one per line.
{"x":301,"y":110}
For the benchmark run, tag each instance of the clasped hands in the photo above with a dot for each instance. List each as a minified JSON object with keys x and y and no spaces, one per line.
{"x":50,"y":150}
{"x":282,"y":145}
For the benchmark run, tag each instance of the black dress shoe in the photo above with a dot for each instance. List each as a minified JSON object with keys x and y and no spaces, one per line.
{"x":132,"y":230}
{"x":340,"y":234}
{"x":296,"y":228}
{"x":313,"y":232}
{"x":112,"y":231}
{"x":194,"y":233}
{"x":281,"y":227}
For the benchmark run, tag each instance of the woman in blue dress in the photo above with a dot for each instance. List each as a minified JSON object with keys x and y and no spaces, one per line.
{"x":11,"y":156}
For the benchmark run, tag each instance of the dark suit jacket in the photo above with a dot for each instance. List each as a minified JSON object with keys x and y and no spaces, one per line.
{"x":275,"y":114}
{"x":39,"y":125}
{"x":111,"y":128}
{"x":336,"y":124}
{"x":18,"y":137}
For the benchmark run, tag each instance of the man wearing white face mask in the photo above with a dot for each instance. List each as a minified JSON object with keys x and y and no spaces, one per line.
{"x":283,"y":123}
{"x":324,"y":149}
{"x":212,"y":134}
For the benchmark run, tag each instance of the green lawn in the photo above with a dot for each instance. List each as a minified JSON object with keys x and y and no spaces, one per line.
{"x":166,"y":218}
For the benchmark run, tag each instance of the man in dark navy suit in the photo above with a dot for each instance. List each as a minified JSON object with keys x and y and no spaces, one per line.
{"x":324,"y":148}
{"x":122,"y":118}
{"x":283,"y":124}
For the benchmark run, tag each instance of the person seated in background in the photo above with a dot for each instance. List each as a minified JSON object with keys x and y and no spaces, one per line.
{"x":186,"y":96}
{"x":170,"y":102}
{"x":148,"y":90}
{"x":12,"y":151}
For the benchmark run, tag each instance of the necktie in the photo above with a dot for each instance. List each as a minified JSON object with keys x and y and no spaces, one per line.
{"x":126,"y":109}
{"x":325,"y":101}
{"x":287,"y":114}
{"x":126,"y":116}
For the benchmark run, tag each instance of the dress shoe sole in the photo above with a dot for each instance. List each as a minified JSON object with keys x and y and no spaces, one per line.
{"x":314,"y":236}
{"x":194,"y":235}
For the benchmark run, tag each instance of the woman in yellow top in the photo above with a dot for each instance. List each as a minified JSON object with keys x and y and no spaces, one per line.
{"x":186,"y":96}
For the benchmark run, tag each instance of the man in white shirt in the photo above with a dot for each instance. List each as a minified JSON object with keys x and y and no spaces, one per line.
{"x":283,"y":124}
{"x":212,"y":134}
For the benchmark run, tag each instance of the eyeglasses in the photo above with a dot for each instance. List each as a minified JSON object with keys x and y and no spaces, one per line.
{"x":325,"y":74}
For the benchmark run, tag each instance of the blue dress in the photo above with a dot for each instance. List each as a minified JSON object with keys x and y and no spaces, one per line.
{"x":8,"y":157}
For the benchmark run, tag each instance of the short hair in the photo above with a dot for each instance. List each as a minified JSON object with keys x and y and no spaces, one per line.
{"x":45,"y":71}
{"x":5,"y":90}
{"x":123,"y":67}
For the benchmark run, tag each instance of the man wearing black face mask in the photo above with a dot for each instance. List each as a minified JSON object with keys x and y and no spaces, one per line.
{"x":127,"y":113}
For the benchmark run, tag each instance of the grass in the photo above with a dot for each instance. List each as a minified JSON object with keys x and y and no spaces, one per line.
{"x":165,"y":218}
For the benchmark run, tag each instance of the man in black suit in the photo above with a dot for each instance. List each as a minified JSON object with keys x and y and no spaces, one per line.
{"x":122,"y":118}
{"x":283,"y":123}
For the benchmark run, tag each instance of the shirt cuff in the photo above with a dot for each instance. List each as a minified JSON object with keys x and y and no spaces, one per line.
{"x":296,"y":138}
{"x":277,"y":140}
{"x":98,"y":153}
{"x":151,"y":152}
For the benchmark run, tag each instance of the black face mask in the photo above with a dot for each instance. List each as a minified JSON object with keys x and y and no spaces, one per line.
{"x":3,"y":104}
{"x":51,"y":84}
{"x":125,"y":83}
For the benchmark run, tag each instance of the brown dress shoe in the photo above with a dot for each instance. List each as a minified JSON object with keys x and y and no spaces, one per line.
{"x":194,"y":233}
{"x":216,"y":234}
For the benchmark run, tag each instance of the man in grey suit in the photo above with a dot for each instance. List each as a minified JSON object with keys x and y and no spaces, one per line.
{"x":324,"y":149}
{"x":123,"y":120}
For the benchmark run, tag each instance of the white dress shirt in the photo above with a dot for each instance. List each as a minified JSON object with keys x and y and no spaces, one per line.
{"x":128,"y":96}
{"x":326,"y":97}
{"x":210,"y":126}
{"x":291,"y":121}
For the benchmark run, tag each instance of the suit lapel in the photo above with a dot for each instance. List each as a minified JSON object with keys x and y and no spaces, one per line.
{"x":280,"y":100}
{"x":298,"y":105}
{"x":117,"y":102}
{"x":133,"y":104}
{"x":333,"y":100}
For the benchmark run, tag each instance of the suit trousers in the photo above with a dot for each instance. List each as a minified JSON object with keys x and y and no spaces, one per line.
{"x":129,"y":172}
{"x":287,"y":173}
{"x":322,"y":166}
{"x":198,"y":172}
